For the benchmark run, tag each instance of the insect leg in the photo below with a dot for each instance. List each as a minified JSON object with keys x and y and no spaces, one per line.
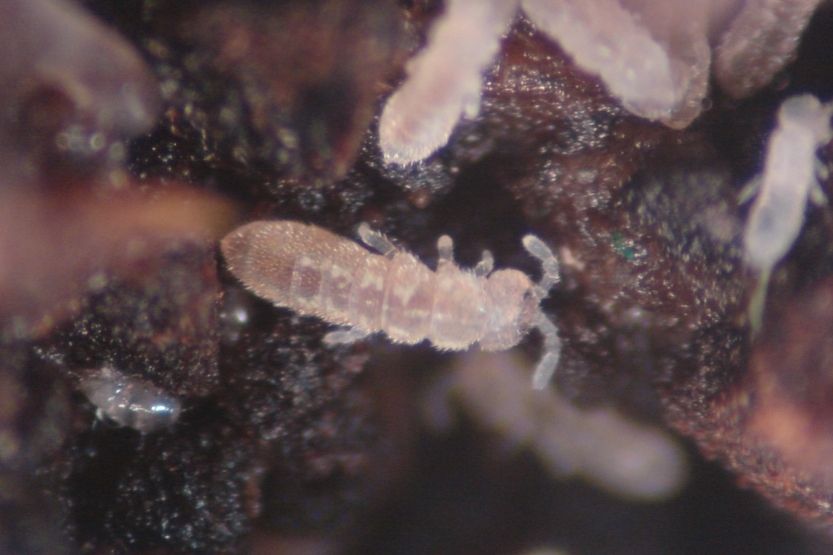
{"x":445,"y":250}
{"x":757,"y":303}
{"x":344,"y":336}
{"x":817,"y":195}
{"x":549,"y":262}
{"x":375,"y":240}
{"x":750,"y":190}
{"x":486,"y":264}
{"x":816,"y":192}
{"x":552,"y":352}
{"x":821,"y":170}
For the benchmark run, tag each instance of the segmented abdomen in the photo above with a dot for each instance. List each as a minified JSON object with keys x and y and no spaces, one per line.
{"x":309,"y":270}
{"x":777,"y":214}
{"x":130,"y":401}
{"x":314,"y":272}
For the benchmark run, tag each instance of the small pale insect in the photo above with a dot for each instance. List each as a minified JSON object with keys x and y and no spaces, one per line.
{"x":789,"y":177}
{"x":131,"y":402}
{"x":444,"y":79}
{"x":314,"y":272}
{"x":788,"y":180}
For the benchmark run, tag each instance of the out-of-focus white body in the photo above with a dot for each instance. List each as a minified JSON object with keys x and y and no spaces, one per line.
{"x":655,"y":56}
{"x":626,"y":458}
{"x":789,"y":176}
{"x":444,"y":79}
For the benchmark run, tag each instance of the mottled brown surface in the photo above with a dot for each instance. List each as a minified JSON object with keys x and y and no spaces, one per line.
{"x":271,"y":107}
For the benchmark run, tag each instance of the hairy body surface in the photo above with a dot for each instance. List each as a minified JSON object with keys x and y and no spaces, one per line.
{"x":314,"y":272}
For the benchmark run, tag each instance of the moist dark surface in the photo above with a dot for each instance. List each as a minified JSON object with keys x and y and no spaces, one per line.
{"x":268,"y":110}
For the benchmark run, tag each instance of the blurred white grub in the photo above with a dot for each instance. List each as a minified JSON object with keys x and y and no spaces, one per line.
{"x":444,"y":79}
{"x":655,"y":57}
{"x":616,"y":454}
{"x":129,"y":401}
{"x":763,"y":35}
{"x":789,"y":176}
{"x":605,"y":38}
{"x":59,"y":44}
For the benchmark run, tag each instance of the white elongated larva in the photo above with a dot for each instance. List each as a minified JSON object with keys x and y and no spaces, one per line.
{"x":606,"y":39}
{"x":604,"y":447}
{"x":789,"y":175}
{"x":314,"y":272}
{"x":654,"y":56}
{"x":444,"y":79}
{"x":131,"y":402}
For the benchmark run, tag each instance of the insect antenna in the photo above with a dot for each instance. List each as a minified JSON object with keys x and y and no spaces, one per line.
{"x":552,"y":352}
{"x":549,"y":263}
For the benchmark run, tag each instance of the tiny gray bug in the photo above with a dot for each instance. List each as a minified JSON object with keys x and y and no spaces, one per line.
{"x":314,"y":272}
{"x":788,"y":179}
{"x":130,"y":401}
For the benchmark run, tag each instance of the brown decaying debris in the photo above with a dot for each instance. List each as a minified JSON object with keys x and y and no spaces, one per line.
{"x":654,"y":57}
{"x":108,"y":259}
